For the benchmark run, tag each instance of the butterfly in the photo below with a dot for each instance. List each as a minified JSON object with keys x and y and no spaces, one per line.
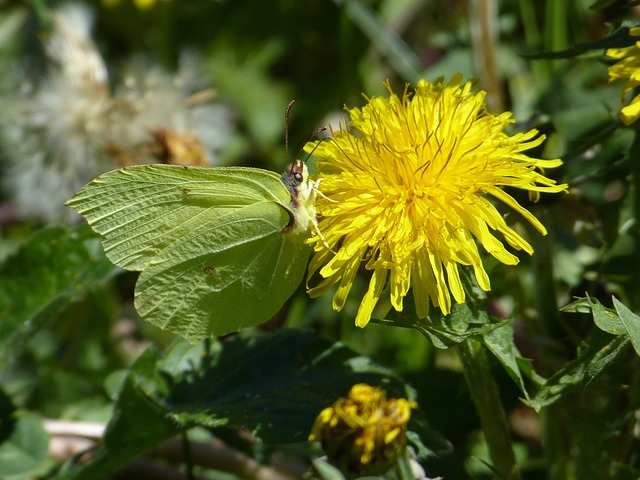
{"x":219,"y":248}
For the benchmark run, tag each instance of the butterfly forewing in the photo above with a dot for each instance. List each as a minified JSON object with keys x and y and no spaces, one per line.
{"x":142,"y":210}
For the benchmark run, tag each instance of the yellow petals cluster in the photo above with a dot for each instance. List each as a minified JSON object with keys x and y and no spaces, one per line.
{"x":407,"y":188}
{"x":627,"y":67}
{"x":365,"y":432}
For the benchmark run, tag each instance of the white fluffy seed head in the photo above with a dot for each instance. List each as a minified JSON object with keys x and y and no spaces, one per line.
{"x":62,"y":131}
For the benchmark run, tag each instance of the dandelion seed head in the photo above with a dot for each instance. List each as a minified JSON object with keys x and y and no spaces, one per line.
{"x":70,"y":125}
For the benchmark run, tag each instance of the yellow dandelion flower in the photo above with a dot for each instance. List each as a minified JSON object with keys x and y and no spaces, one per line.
{"x":409,"y":194}
{"x":365,"y":432}
{"x":627,"y":67}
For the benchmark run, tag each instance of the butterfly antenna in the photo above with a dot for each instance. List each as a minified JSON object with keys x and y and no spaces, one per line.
{"x":313,"y":134}
{"x":286,"y":130}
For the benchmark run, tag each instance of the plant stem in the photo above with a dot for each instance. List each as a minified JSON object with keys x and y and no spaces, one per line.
{"x":484,"y":39}
{"x":403,"y":467}
{"x":484,"y":393}
{"x":635,"y":190}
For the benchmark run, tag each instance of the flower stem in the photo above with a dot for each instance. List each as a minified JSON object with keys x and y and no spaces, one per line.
{"x":403,"y":467}
{"x":484,"y":393}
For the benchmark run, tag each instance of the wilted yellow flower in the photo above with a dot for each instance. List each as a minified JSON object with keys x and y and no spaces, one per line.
{"x":408,"y":193}
{"x":365,"y":432}
{"x":627,"y":67}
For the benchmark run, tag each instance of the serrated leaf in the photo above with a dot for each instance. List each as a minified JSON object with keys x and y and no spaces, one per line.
{"x":602,"y":359}
{"x":604,"y":318}
{"x":500,"y":342}
{"x":217,"y":247}
{"x":631,"y":323}
{"x":600,"y":351}
{"x":52,"y":269}
{"x":443,"y":331}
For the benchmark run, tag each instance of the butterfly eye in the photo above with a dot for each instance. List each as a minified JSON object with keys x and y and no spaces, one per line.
{"x":298,"y":177}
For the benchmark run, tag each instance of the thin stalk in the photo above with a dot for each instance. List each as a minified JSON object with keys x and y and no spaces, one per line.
{"x":484,"y":393}
{"x":484,"y":39}
{"x":556,"y":36}
{"x":533,"y":39}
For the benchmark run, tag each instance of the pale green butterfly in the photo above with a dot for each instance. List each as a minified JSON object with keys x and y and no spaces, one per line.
{"x":219,"y":248}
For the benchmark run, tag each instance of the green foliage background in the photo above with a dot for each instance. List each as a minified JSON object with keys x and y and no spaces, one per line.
{"x":72,"y":347}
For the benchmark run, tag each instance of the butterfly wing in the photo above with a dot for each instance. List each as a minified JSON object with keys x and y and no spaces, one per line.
{"x":210,"y":243}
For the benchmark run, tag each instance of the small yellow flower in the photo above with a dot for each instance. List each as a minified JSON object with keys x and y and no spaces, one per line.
{"x":365,"y":432}
{"x":408,"y":193}
{"x":627,"y":67}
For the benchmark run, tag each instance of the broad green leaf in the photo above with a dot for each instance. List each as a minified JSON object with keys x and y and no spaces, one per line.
{"x":218,"y":247}
{"x":53,"y":268}
{"x":26,"y":447}
{"x":274,"y":386}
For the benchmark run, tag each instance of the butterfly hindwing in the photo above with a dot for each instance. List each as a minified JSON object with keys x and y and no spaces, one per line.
{"x":234,"y":272}
{"x":211,"y":243}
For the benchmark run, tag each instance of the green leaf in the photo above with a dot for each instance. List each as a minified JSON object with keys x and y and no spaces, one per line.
{"x":443,"y":331}
{"x":325,"y":471}
{"x":138,"y":423}
{"x":618,"y":39}
{"x":500,"y":342}
{"x":26,"y":447}
{"x":275,"y":386}
{"x":604,"y":357}
{"x":600,"y":351}
{"x":604,"y":318}
{"x":621,"y":4}
{"x":7,"y":417}
{"x":631,"y":323}
{"x":219,"y":248}
{"x":52,"y":269}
